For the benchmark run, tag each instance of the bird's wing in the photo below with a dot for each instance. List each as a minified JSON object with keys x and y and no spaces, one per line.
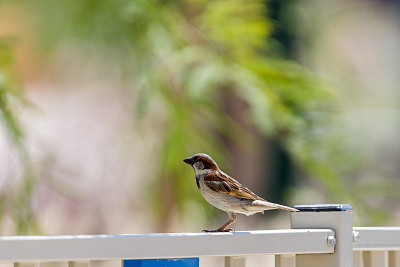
{"x":220,"y":182}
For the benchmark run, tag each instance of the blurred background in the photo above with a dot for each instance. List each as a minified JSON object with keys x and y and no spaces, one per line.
{"x":101,"y":100}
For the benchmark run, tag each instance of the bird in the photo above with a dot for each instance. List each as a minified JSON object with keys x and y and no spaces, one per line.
{"x":225,"y":193}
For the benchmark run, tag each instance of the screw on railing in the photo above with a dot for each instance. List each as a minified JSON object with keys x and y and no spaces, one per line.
{"x":331,"y":241}
{"x":356,"y":236}
{"x":338,"y":217}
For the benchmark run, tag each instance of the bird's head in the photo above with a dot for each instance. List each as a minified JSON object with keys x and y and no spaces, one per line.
{"x":201,"y":162}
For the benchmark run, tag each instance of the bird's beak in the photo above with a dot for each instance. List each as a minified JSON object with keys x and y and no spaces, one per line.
{"x":188,"y":160}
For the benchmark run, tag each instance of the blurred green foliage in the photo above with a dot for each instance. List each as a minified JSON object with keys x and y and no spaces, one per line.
{"x":189,"y":55}
{"x":15,"y":202}
{"x":10,"y":89}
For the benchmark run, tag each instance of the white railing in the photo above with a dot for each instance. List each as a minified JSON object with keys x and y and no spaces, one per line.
{"x":376,"y":246}
{"x":320,"y":236}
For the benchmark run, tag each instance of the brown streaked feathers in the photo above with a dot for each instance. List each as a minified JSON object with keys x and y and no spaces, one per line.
{"x":222,"y":183}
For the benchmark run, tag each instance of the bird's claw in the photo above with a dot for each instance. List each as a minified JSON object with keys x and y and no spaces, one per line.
{"x":219,"y":230}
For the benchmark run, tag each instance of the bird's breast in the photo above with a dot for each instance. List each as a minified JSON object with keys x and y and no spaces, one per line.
{"x":219,"y":200}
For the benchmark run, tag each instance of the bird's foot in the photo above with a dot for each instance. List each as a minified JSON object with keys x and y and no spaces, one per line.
{"x":219,"y":230}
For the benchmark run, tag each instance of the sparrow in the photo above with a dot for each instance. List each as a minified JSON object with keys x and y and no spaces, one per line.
{"x":225,"y":193}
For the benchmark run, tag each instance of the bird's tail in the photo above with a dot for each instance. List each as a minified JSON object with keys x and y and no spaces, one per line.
{"x":282,"y":207}
{"x":270,"y":206}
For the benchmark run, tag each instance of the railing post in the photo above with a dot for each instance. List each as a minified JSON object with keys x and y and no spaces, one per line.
{"x":357,"y":259}
{"x":78,"y":264}
{"x":394,"y":258}
{"x":285,"y":261}
{"x":376,"y":258}
{"x":235,"y":261}
{"x":338,"y":217}
{"x":184,"y":262}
